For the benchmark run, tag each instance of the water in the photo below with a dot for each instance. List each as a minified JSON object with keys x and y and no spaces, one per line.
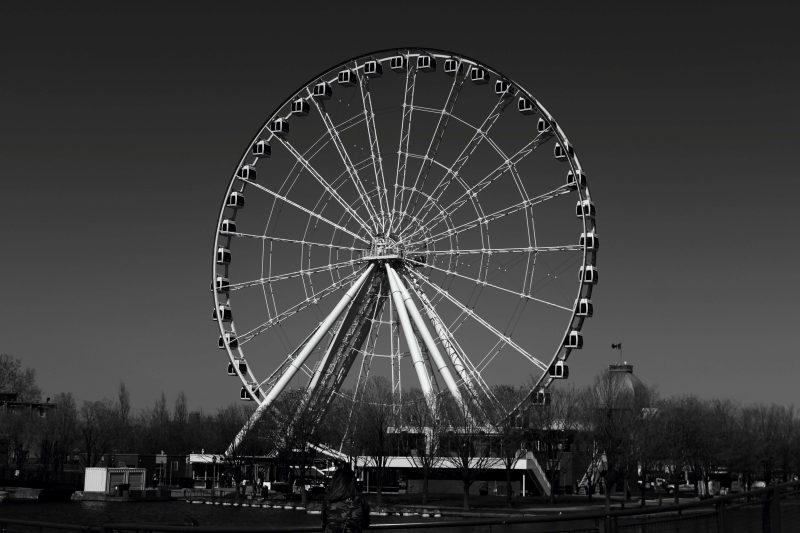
{"x":178,"y":513}
{"x":173,"y":513}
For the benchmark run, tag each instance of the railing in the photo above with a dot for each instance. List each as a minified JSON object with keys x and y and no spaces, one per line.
{"x":775,"y":509}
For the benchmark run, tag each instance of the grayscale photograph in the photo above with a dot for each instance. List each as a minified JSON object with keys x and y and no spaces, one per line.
{"x":337,"y":266}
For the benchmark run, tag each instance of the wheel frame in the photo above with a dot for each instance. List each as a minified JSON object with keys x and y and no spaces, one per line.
{"x":561,"y":353}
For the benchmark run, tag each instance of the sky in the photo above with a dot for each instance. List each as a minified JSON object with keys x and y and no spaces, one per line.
{"x":120,"y":125}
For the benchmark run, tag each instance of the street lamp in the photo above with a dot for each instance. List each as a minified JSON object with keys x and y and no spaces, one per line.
{"x":214,"y":461}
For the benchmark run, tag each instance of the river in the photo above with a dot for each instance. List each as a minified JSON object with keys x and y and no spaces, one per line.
{"x":165,"y":513}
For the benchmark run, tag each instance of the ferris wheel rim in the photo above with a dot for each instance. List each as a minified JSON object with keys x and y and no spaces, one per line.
{"x":573,"y":163}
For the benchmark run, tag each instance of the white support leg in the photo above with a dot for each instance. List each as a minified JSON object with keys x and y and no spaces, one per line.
{"x":473,"y":381}
{"x":445,"y":337}
{"x":438,"y":360}
{"x":317,"y":374}
{"x":411,"y":339}
{"x":298,"y":361}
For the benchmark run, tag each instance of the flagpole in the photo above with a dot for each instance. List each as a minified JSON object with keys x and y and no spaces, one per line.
{"x":618,"y":346}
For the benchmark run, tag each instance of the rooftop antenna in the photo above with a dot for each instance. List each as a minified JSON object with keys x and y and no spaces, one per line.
{"x":618,"y":346}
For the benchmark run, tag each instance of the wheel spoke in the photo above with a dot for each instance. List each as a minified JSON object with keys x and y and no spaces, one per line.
{"x":317,"y":176}
{"x":405,"y":137}
{"x":290,"y":275}
{"x":490,"y":178}
{"x":524,"y":249}
{"x":308,"y":211}
{"x":323,"y":140}
{"x":294,"y":241}
{"x":480,"y":134}
{"x":503,"y":338}
{"x":270,"y":380}
{"x":279,"y":317}
{"x":489,"y":357}
{"x":436,"y":140}
{"x":500,"y":213}
{"x":483,"y":282}
{"x":333,"y":133}
{"x":375,"y":149}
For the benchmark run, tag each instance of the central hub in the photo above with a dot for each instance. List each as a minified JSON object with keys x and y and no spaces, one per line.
{"x":384,"y":247}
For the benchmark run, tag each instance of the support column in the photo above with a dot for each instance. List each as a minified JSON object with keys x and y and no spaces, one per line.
{"x":408,"y":332}
{"x":438,"y":360}
{"x":446,"y":337}
{"x":298,"y":361}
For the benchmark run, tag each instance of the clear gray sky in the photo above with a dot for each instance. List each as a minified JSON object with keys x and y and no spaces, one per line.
{"x":120,"y":124}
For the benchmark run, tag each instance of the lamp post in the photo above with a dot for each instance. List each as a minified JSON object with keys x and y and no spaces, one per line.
{"x":214,"y":461}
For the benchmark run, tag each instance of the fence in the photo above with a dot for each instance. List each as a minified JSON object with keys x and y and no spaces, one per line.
{"x":775,"y":509}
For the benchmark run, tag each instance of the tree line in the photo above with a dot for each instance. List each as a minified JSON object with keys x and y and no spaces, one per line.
{"x":621,"y":435}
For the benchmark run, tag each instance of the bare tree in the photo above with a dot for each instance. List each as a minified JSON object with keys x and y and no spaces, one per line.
{"x":60,"y":433}
{"x":18,"y":380}
{"x":98,"y":426}
{"x":512,"y":431}
{"x":299,"y":435}
{"x":688,"y":429}
{"x":21,"y":429}
{"x":775,"y":425}
{"x":257,"y":441}
{"x":376,"y":417}
{"x":420,"y":435}
{"x":553,"y":426}
{"x":611,"y":410}
{"x":747,"y":460}
{"x":334,"y":431}
{"x":155,"y":427}
{"x":123,"y":404}
{"x":794,"y":446}
{"x":646,"y":446}
{"x":467,"y":446}
{"x":178,"y":435}
{"x":723,"y":427}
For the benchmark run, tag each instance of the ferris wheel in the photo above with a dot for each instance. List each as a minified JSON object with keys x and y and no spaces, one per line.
{"x":412,"y":214}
